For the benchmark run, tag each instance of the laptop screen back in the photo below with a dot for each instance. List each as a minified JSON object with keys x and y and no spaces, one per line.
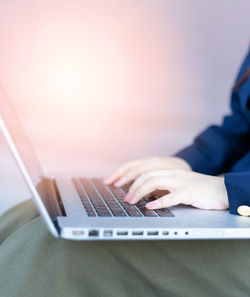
{"x":19,"y":138}
{"x":26,"y":159}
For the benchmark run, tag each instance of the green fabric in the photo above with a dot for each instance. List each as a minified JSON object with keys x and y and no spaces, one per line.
{"x":34,"y":264}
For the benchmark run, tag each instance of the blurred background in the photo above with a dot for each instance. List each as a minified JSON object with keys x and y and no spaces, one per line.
{"x":98,"y":83}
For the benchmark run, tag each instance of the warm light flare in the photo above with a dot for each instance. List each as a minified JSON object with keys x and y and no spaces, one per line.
{"x":85,"y":74}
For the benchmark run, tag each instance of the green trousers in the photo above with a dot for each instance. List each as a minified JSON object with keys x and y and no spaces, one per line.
{"x":34,"y":264}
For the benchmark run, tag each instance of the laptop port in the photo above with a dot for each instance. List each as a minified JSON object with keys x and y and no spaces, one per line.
{"x":122,"y":233}
{"x":153,"y":233}
{"x":137,"y":233}
{"x":107,"y":233}
{"x":93,"y":233}
{"x":165,"y":233}
{"x":78,"y":232}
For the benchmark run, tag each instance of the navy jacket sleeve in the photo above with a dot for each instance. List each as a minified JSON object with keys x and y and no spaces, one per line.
{"x":219,"y":148}
{"x":238,"y":189}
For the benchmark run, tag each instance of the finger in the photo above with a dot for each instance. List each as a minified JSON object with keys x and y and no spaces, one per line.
{"x":165,"y":201}
{"x":132,"y":174}
{"x":152,"y":184}
{"x":119,"y":172}
{"x":144,"y":177}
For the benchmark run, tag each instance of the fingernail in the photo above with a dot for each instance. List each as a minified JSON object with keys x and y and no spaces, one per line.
{"x":106,"y":180}
{"x":118,"y":183}
{"x":127,"y":197}
{"x":131,"y":198}
{"x":151,"y":204}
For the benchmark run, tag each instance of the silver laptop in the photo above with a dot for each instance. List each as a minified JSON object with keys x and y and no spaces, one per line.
{"x":84,"y":209}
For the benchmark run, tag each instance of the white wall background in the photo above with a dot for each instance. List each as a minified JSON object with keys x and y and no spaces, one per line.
{"x":98,"y":83}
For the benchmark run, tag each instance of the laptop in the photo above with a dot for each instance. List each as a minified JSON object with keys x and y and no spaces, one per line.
{"x":81,"y":208}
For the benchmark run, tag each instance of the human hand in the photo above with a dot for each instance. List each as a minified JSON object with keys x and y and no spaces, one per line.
{"x":185,"y":187}
{"x":131,"y":170}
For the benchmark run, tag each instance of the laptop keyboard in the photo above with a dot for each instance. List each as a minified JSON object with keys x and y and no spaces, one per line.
{"x":107,"y":201}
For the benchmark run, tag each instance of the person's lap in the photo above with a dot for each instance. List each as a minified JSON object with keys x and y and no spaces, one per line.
{"x":33,"y":263}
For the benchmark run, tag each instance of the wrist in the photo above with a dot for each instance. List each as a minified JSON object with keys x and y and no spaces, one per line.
{"x":224,"y":194}
{"x":182,"y":164}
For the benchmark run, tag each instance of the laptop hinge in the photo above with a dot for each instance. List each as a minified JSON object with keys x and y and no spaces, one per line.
{"x":53,"y":202}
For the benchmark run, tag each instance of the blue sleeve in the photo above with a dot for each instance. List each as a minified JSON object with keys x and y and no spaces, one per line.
{"x":218,"y":148}
{"x":238,"y":189}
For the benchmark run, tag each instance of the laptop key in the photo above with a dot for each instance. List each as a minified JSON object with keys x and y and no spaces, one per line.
{"x":105,"y":215}
{"x":147,"y":212}
{"x":103,"y":212}
{"x":115,"y":207}
{"x":88,"y":208}
{"x":164,"y":213}
{"x":91,"y":214}
{"x":117,"y":192}
{"x":119,"y":213}
{"x":140,"y":204}
{"x":126,"y":205}
{"x":133,"y":212}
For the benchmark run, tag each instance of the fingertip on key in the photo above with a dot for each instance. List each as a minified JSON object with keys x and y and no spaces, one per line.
{"x":151,"y":205}
{"x":117,"y":184}
{"x":131,"y":199}
{"x":106,"y":180}
{"x":127,"y":197}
